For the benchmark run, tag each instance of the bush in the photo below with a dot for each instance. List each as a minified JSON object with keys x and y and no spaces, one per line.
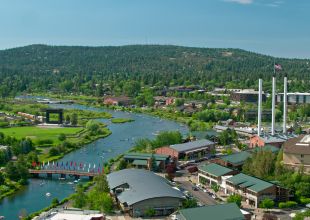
{"x":62,"y":137}
{"x":53,"y":151}
{"x":304,"y":200}
{"x":267,"y":203}
{"x":234,"y":198}
{"x":288,"y":204}
{"x":45,"y":142}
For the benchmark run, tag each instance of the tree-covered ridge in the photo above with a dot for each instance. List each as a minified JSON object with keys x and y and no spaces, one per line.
{"x":79,"y":69}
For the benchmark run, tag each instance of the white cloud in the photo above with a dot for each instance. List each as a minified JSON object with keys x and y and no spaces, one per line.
{"x":243,"y":2}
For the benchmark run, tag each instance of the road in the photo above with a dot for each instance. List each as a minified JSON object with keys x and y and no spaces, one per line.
{"x":201,"y":196}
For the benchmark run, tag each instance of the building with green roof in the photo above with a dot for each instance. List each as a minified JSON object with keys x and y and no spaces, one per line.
{"x":143,"y":160}
{"x":228,"y":211}
{"x":234,"y":160}
{"x":253,"y":190}
{"x":212,"y":173}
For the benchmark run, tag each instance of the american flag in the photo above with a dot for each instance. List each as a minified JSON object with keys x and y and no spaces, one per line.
{"x":277,"y":66}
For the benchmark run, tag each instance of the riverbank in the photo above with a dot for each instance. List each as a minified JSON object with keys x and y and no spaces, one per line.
{"x":104,"y":151}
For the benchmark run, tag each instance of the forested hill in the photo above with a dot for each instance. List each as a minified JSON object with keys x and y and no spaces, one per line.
{"x":79,"y":69}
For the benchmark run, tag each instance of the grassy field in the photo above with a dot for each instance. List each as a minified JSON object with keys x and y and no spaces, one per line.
{"x":38,"y":134}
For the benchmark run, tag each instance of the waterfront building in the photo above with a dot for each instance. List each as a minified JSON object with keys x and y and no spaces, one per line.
{"x":137,"y":191}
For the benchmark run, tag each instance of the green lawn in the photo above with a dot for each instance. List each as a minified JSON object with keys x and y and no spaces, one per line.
{"x":38,"y":134}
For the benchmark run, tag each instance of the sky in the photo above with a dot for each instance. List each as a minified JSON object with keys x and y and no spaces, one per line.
{"x":279,"y":28}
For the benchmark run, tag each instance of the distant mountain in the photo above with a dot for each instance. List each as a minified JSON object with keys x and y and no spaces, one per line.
{"x":78,"y":69}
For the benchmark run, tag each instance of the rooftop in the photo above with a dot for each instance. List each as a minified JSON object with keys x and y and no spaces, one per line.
{"x":228,"y":211}
{"x":193,"y":145}
{"x":237,"y":158}
{"x":249,"y":182}
{"x":215,"y":169}
{"x":298,"y":145}
{"x":142,"y":184}
{"x":273,"y":149}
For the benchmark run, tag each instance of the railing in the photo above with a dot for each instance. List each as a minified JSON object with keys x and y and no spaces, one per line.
{"x":65,"y":172}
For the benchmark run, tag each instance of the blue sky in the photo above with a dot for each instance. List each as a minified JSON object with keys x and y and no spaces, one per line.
{"x":274,"y":27}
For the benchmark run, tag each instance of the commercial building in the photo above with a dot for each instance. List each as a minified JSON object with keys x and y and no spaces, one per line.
{"x":296,"y":153}
{"x":266,"y":139}
{"x":144,"y":160}
{"x":228,"y":211}
{"x":247,"y":95}
{"x":71,"y":214}
{"x":190,"y":150}
{"x":138,"y":191}
{"x":120,"y":100}
{"x":212,"y":173}
{"x":251,"y":189}
{"x":235,"y":160}
{"x":295,"y":98}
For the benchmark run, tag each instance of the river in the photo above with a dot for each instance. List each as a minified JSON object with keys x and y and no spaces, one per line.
{"x":33,"y":197}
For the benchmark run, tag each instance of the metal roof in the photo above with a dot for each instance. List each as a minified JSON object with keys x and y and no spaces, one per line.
{"x":228,"y":211}
{"x":215,"y":169}
{"x":267,"y":147}
{"x":142,"y":184}
{"x":193,"y":145}
{"x":237,"y":158}
{"x":249,"y":182}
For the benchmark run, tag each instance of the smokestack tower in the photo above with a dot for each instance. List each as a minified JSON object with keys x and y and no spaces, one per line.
{"x":273,"y":105}
{"x":260,"y":88}
{"x":284,"y":104}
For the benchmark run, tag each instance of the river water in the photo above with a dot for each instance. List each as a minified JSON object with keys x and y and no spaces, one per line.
{"x":33,"y":197}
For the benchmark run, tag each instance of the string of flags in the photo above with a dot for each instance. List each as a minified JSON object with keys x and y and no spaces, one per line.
{"x":69,"y":165}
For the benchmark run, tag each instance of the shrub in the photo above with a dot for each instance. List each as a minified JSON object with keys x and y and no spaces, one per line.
{"x":53,"y":151}
{"x":62,"y":137}
{"x":288,"y":204}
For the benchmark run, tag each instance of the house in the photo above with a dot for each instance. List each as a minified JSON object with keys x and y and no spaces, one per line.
{"x":294,"y":98}
{"x":162,"y":100}
{"x":296,"y":153}
{"x":144,"y":160}
{"x":212,"y":173}
{"x":190,"y":150}
{"x":228,"y":211}
{"x":252,"y":190}
{"x":246,"y":95}
{"x":119,"y":101}
{"x":139,"y":191}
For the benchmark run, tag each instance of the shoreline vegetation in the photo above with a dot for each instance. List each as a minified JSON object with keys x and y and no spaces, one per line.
{"x":43,"y":143}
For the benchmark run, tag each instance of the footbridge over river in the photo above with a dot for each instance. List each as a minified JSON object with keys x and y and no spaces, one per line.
{"x":63,"y":173}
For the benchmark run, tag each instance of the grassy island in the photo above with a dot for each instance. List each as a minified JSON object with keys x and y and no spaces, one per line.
{"x":121,"y":120}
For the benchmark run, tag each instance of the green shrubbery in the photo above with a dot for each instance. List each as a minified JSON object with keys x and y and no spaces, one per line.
{"x":288,"y":204}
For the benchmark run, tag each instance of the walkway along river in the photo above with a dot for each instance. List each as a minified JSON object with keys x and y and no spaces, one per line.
{"x":33,"y":197}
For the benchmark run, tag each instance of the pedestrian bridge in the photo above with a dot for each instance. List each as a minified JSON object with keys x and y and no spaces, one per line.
{"x":63,"y":173}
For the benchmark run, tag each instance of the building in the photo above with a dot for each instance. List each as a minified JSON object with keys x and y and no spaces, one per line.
{"x":246,"y":95}
{"x":296,"y":153}
{"x":190,"y":150}
{"x":294,"y":98}
{"x":139,"y":191}
{"x":251,"y":115}
{"x":251,"y":189}
{"x":261,"y":141}
{"x":228,"y":211}
{"x":244,"y":131}
{"x":120,"y":100}
{"x":212,"y":173}
{"x":235,"y":160}
{"x":72,"y":214}
{"x":163,"y":100}
{"x":144,"y":160}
